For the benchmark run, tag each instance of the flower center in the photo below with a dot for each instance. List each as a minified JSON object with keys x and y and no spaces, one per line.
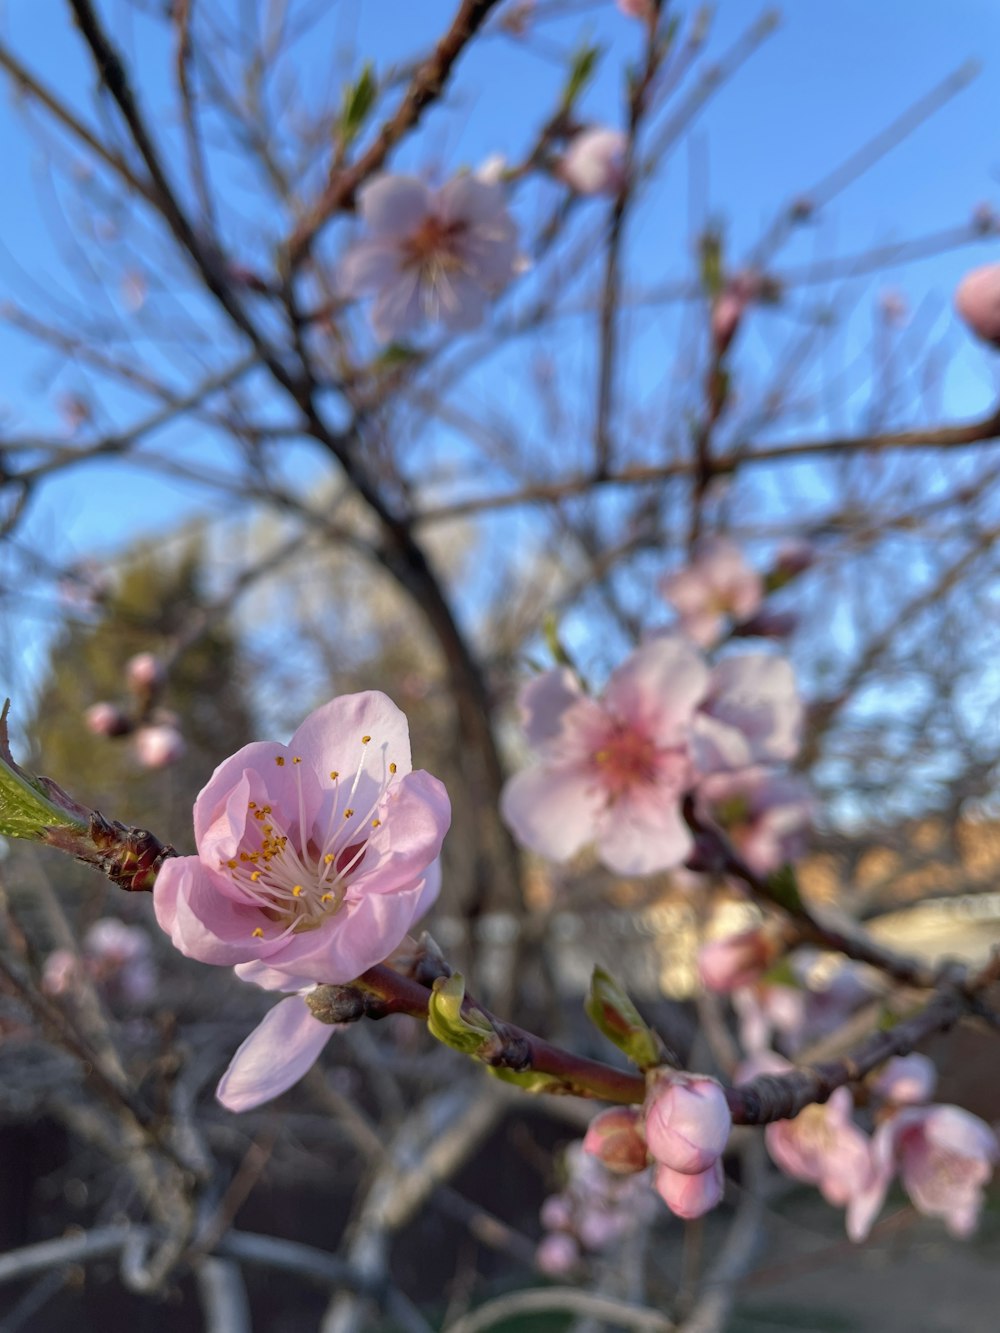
{"x":296,"y":876}
{"x":432,"y":246}
{"x":626,"y":759}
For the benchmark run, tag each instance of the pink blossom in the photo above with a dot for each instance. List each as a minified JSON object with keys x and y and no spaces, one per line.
{"x":60,"y":972}
{"x":737,"y":960}
{"x":557,"y":1254}
{"x":637,"y":9}
{"x":144,"y":672}
{"x":613,"y":770}
{"x":159,"y":745}
{"x":687,"y":1120}
{"x":717,"y":585}
{"x":430,"y":255}
{"x":945,"y":1157}
{"x":822,"y":1146}
{"x":594,"y":162}
{"x":615,"y":1137}
{"x":906,"y":1080}
{"x":765,"y":815}
{"x":119,"y":957}
{"x":104,"y":719}
{"x":977,"y":300}
{"x":751,"y":714}
{"x":691,"y":1195}
{"x":315,"y":858}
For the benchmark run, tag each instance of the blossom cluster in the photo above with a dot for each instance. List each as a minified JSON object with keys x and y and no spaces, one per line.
{"x":614,"y":770}
{"x":115,"y":957}
{"x":156,"y":737}
{"x":596,"y":1208}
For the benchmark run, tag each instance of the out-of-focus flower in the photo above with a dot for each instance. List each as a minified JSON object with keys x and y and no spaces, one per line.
{"x":613,"y":770}
{"x":717,"y":586}
{"x":945,"y":1157}
{"x":977,"y":300}
{"x":906,"y":1080}
{"x":144,"y":672}
{"x":688,"y":1194}
{"x":119,"y":957}
{"x":104,"y":719}
{"x":732,"y":961}
{"x":822,"y":1146}
{"x":615,"y":1137}
{"x":158,"y":746}
{"x":637,"y":9}
{"x":594,"y":162}
{"x":751,"y":714}
{"x":596,"y":1208}
{"x":60,"y":972}
{"x":766,"y":815}
{"x":557,"y":1254}
{"x":686,"y":1121}
{"x":430,"y":255}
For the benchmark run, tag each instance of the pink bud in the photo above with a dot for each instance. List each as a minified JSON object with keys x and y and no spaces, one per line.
{"x":594,"y":162}
{"x":727,"y":314}
{"x":687,"y":1120}
{"x":688,"y":1195}
{"x":557,"y":1254}
{"x":637,"y":9}
{"x":60,"y":972}
{"x":977,"y":300}
{"x":906,"y":1080}
{"x":736,"y":960}
{"x":615,"y":1136}
{"x":106,"y":719}
{"x":158,"y":746}
{"x":144,"y":672}
{"x":556,"y":1213}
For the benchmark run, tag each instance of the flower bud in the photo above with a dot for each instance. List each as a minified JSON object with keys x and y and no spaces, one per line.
{"x":557,"y":1254}
{"x":158,"y":746}
{"x":687,"y":1120}
{"x":689,"y":1195}
{"x":737,"y":960}
{"x":615,"y":1137}
{"x":104,"y":719}
{"x":594,"y":162}
{"x":906,"y":1080}
{"x":144,"y":672}
{"x":977,"y":300}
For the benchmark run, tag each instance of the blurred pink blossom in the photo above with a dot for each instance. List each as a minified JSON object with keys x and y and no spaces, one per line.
{"x":430,"y":255}
{"x":158,"y":745}
{"x":822,"y":1146}
{"x":687,"y":1120}
{"x":766,"y":815}
{"x":977,"y":300}
{"x":906,"y":1080}
{"x":557,"y":1254}
{"x":637,"y":9}
{"x":751,"y":714}
{"x":120,"y":958}
{"x":60,"y":972}
{"x":945,"y":1157}
{"x":314,"y":859}
{"x":594,"y":162}
{"x":596,"y":1207}
{"x":717,"y":585}
{"x":732,"y":961}
{"x":613,"y":770}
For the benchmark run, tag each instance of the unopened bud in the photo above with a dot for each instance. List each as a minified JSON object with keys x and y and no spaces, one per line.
{"x":977,"y":300}
{"x":615,"y":1137}
{"x":158,"y":746}
{"x":687,"y":1120}
{"x":557,"y":1254}
{"x":906,"y":1080}
{"x":104,"y":719}
{"x":690,"y":1196}
{"x":144,"y":672}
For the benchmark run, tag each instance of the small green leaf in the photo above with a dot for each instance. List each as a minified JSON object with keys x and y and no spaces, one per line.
{"x":357,"y":102}
{"x":582,"y":70}
{"x":528,"y":1079}
{"x":25,"y":812}
{"x":613,"y":1013}
{"x":711,"y":263}
{"x":550,"y":632}
{"x":783,"y":887}
{"x":466,"y":1032}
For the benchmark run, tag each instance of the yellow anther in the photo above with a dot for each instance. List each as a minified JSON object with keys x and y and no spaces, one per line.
{"x":376,"y":822}
{"x":255,"y":875}
{"x":327,"y":898}
{"x":231,"y":865}
{"x":266,"y":809}
{"x":258,"y":934}
{"x":392,"y":768}
{"x":296,"y":760}
{"x":334,"y":774}
{"x":297,"y":891}
{"x":328,"y":858}
{"x":602,"y":756}
{"x":348,"y":812}
{"x":252,"y":805}
{"x":279,"y":760}
{"x":365,"y":740}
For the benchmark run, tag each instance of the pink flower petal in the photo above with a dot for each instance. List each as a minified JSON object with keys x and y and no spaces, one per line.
{"x":394,"y":206}
{"x":691,"y":1195}
{"x":552,"y":809}
{"x":657,"y":689}
{"x":283,"y":1047}
{"x":544,"y":700}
